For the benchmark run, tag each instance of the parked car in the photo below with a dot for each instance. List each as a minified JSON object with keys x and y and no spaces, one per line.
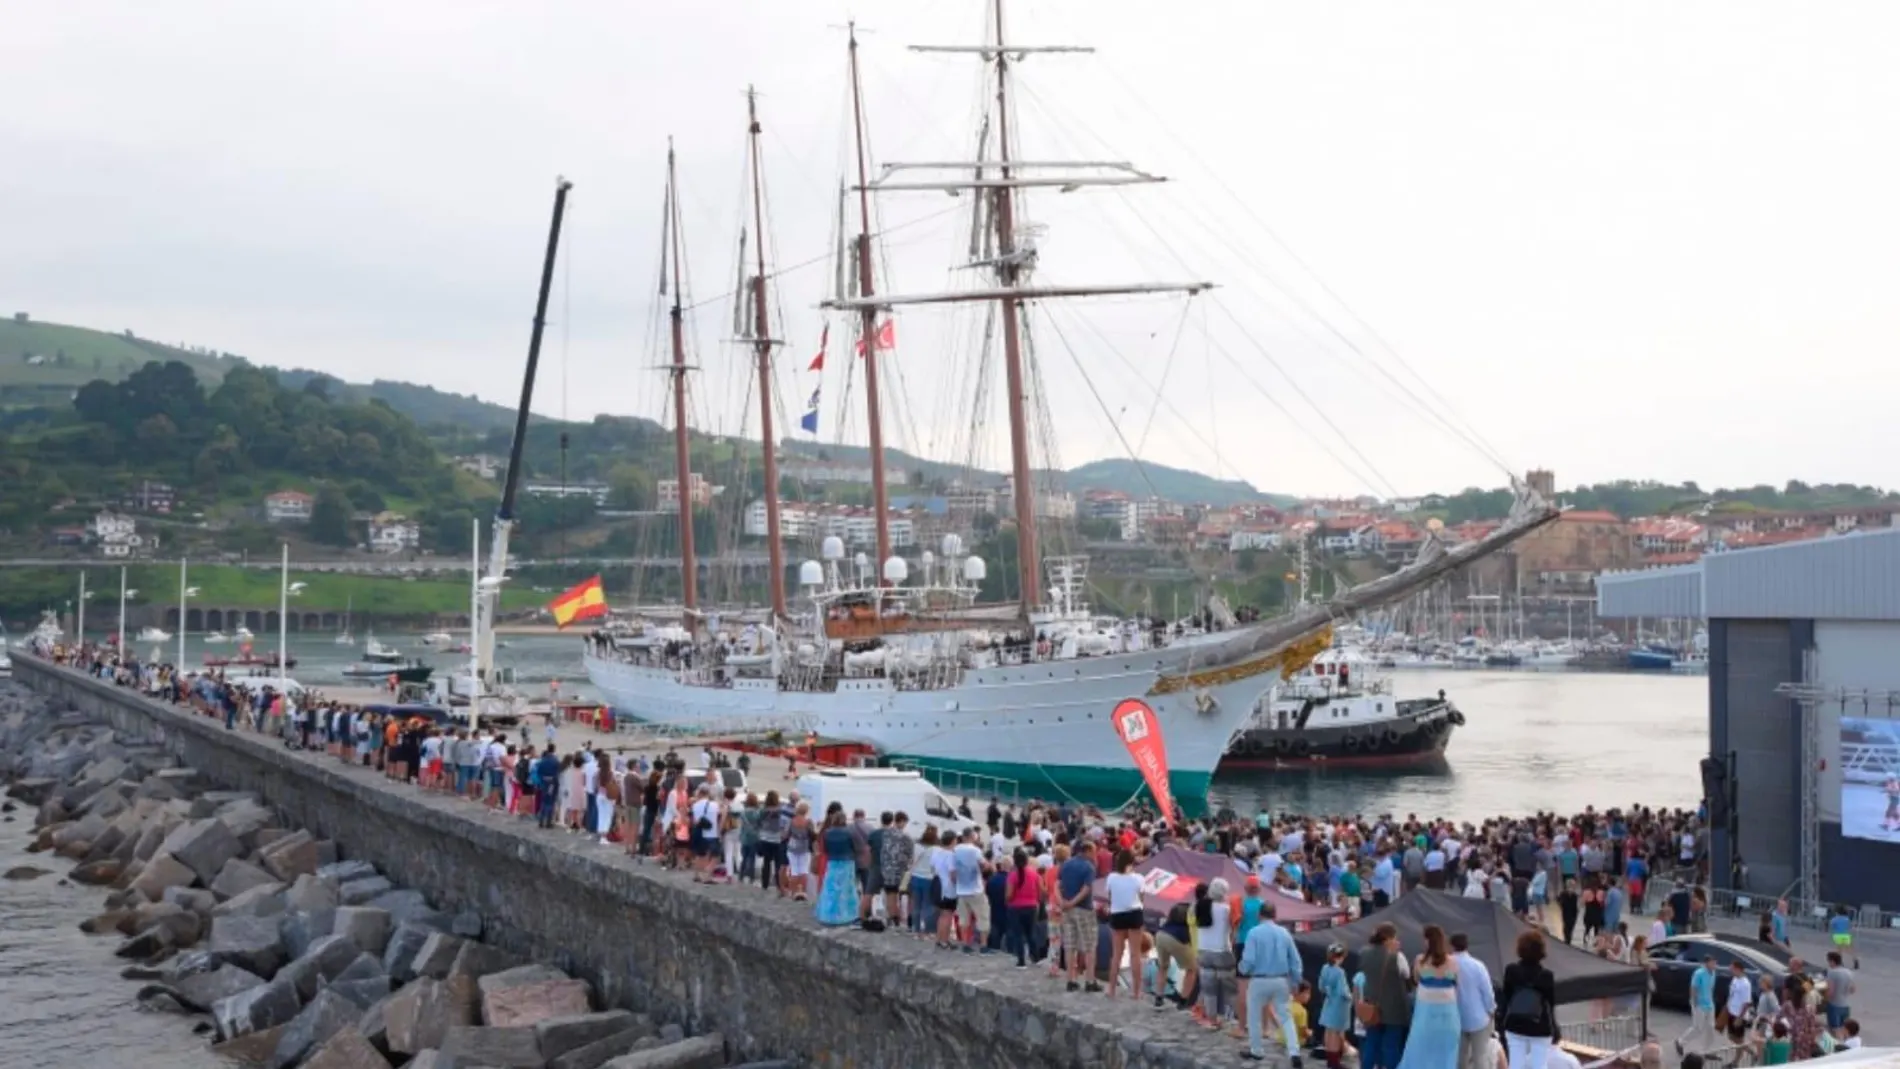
{"x":1678,"y":957}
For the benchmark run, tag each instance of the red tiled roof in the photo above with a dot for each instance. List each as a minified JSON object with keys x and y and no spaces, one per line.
{"x":1591,"y":516}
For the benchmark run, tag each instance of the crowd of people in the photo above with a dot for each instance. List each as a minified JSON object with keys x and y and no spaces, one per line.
{"x":1039,"y":884}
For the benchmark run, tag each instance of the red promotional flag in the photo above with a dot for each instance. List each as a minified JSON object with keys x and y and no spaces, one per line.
{"x":824,"y":342}
{"x":1140,"y":731}
{"x":886,"y":337}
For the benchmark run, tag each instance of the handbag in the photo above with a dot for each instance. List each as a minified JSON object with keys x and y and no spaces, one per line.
{"x":1368,"y":1010}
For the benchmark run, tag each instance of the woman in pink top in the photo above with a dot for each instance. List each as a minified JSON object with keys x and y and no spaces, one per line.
{"x":1022,"y":891}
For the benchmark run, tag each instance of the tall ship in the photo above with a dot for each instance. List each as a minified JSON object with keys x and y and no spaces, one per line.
{"x":899,"y":653}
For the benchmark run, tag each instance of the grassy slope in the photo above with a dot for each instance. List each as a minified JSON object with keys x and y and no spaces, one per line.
{"x":90,"y":354}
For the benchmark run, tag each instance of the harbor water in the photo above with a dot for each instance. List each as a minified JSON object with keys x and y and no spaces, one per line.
{"x":65,"y":1002}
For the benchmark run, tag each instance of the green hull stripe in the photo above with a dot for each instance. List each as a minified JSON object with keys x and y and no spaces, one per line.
{"x":979,"y":780}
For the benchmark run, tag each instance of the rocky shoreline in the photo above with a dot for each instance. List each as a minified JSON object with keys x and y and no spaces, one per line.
{"x":288,"y":953}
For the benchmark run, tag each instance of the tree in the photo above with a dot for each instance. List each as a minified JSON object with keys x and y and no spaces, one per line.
{"x":1248,"y":561}
{"x":330,"y":518}
{"x":629,"y":486}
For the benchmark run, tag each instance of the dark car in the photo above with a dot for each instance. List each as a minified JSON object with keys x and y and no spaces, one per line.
{"x":1678,"y":957}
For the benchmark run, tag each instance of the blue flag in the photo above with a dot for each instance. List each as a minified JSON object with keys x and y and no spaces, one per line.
{"x":809,"y":420}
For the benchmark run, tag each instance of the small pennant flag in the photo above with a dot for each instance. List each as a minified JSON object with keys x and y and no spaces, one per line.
{"x":809,"y":420}
{"x":824,"y":342}
{"x":584,"y":602}
{"x":886,"y":337}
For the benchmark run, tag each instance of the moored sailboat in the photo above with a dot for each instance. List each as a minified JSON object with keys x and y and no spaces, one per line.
{"x":921,"y":671}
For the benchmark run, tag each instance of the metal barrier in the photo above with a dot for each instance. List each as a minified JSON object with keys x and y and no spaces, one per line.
{"x":965,"y":784}
{"x":1730,"y":904}
{"x":1618,"y":1034}
{"x":732,"y":728}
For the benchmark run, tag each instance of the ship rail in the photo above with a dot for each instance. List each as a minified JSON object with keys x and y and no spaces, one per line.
{"x":967,"y":784}
{"x":736,"y":728}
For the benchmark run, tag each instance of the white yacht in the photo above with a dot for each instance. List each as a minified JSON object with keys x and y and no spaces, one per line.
{"x":216,"y":638}
{"x":154,"y":634}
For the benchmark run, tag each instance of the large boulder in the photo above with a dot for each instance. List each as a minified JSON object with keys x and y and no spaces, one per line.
{"x":527,"y":1004}
{"x":182,"y":927}
{"x":402,"y":905}
{"x":365,"y":926}
{"x":364,"y":967}
{"x":476,"y":960}
{"x":266,"y":900}
{"x":291,"y":857}
{"x":364,"y":993}
{"x":238,"y":876}
{"x":437,"y":955}
{"x":161,"y":872}
{"x":420,"y":1015}
{"x":399,"y":956}
{"x":558,"y":1036}
{"x":504,"y":1048}
{"x":194,"y":899}
{"x":96,"y":873}
{"x":300,"y":928}
{"x":599,"y":1052}
{"x":324,"y":1016}
{"x":363,"y":890}
{"x":204,"y":846}
{"x":342,"y":872}
{"x":33,"y":791}
{"x":325,"y":959}
{"x":252,"y":1049}
{"x":261,"y":1007}
{"x":309,"y":893}
{"x":205,"y":989}
{"x":248,"y":942}
{"x":347,"y":1049}
{"x":150,"y":839}
{"x":700,"y":1052}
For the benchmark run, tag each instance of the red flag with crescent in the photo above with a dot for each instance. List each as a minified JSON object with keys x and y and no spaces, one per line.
{"x":1140,"y":731}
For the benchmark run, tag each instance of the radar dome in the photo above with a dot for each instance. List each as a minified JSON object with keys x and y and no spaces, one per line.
{"x":974,"y":570}
{"x":895,"y":570}
{"x":811,"y":573}
{"x":833,"y":548}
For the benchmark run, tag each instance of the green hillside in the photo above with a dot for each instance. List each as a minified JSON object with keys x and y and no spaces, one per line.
{"x":1159,"y":480}
{"x":43,"y":363}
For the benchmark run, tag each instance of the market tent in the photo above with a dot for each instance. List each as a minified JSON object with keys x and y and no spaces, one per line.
{"x":1170,"y":875}
{"x":1493,"y":932}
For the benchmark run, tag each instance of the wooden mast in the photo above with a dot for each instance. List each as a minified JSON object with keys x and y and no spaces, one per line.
{"x":1028,"y":562}
{"x":682,"y":464}
{"x":762,"y":343}
{"x":867,"y":327}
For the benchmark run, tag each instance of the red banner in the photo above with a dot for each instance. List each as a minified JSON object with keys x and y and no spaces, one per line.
{"x":1140,"y":731}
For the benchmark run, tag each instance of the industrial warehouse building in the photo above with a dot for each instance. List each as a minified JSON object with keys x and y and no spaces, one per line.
{"x":1804,"y":703}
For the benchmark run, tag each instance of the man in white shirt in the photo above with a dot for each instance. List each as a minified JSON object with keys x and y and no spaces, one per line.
{"x":1477,"y":1006}
{"x":1435,"y":869}
{"x":973,"y":906}
{"x":1269,"y":867}
{"x":999,"y":847}
{"x":1741,"y":995}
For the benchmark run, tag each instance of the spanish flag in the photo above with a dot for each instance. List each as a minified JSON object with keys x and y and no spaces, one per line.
{"x":585,"y":602}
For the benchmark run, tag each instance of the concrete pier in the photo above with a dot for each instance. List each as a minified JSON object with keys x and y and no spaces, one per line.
{"x":724,"y":959}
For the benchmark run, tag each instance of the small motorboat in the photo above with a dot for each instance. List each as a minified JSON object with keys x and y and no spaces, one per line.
{"x":154,"y":634}
{"x":216,"y":638}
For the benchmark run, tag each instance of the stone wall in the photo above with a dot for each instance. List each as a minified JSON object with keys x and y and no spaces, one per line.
{"x":710,"y":958}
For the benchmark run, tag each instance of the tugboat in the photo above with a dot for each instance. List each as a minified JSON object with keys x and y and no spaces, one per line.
{"x":1333,"y":714}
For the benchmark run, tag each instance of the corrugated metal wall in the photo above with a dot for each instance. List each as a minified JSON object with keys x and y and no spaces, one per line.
{"x":1655,"y":594}
{"x":1852,"y":577}
{"x":1759,"y":726}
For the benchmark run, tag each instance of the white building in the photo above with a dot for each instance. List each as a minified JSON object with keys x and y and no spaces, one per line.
{"x":1252,"y":538}
{"x":115,"y":534}
{"x":288,"y":506}
{"x":1131,"y":521}
{"x":668,"y":492}
{"x":596,"y":491}
{"x":480,"y":465}
{"x":393,"y":533}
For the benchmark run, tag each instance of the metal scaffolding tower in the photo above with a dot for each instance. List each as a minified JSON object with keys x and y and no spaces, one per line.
{"x":1812,"y":698}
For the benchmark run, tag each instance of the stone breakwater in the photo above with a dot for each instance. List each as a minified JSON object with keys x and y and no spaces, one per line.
{"x":296,"y":956}
{"x":721,"y":961}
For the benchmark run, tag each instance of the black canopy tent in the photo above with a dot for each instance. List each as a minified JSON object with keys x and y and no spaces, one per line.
{"x":1493,"y":932}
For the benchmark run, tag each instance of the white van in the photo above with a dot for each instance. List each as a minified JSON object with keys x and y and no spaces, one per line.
{"x":880,"y":790}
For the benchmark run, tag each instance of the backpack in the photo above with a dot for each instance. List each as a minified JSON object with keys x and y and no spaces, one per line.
{"x":1524,"y":1014}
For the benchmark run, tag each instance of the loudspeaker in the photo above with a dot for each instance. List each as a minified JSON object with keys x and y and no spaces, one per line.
{"x":1715,"y":787}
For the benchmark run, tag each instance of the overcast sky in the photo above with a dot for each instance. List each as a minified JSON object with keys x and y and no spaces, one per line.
{"x":1617,"y":239}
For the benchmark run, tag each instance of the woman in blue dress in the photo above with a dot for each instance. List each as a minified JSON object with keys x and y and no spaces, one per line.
{"x":838,"y":895}
{"x":1433,"y":1041}
{"x":1335,"y":1011}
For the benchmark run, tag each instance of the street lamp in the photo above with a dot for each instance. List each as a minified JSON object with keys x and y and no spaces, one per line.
{"x":80,"y":625}
{"x":184,"y":594}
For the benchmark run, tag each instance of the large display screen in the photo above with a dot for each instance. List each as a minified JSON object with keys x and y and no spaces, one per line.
{"x":1870,"y":779}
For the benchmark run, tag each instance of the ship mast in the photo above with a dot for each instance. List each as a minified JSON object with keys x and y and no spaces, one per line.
{"x":682,"y":464}
{"x":867,"y":326}
{"x":762,"y":344}
{"x":1028,"y":562}
{"x":995,"y":181}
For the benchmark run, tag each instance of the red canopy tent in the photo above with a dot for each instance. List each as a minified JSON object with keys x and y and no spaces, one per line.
{"x":1170,"y":876}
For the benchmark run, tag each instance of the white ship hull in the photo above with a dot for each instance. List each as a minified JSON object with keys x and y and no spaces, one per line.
{"x":1046,"y":726}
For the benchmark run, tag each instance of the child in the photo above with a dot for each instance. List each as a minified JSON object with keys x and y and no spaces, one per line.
{"x":1301,"y":1029}
{"x":1336,"y":1008}
{"x":1850,"y":1034}
{"x":1779,"y":1047}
